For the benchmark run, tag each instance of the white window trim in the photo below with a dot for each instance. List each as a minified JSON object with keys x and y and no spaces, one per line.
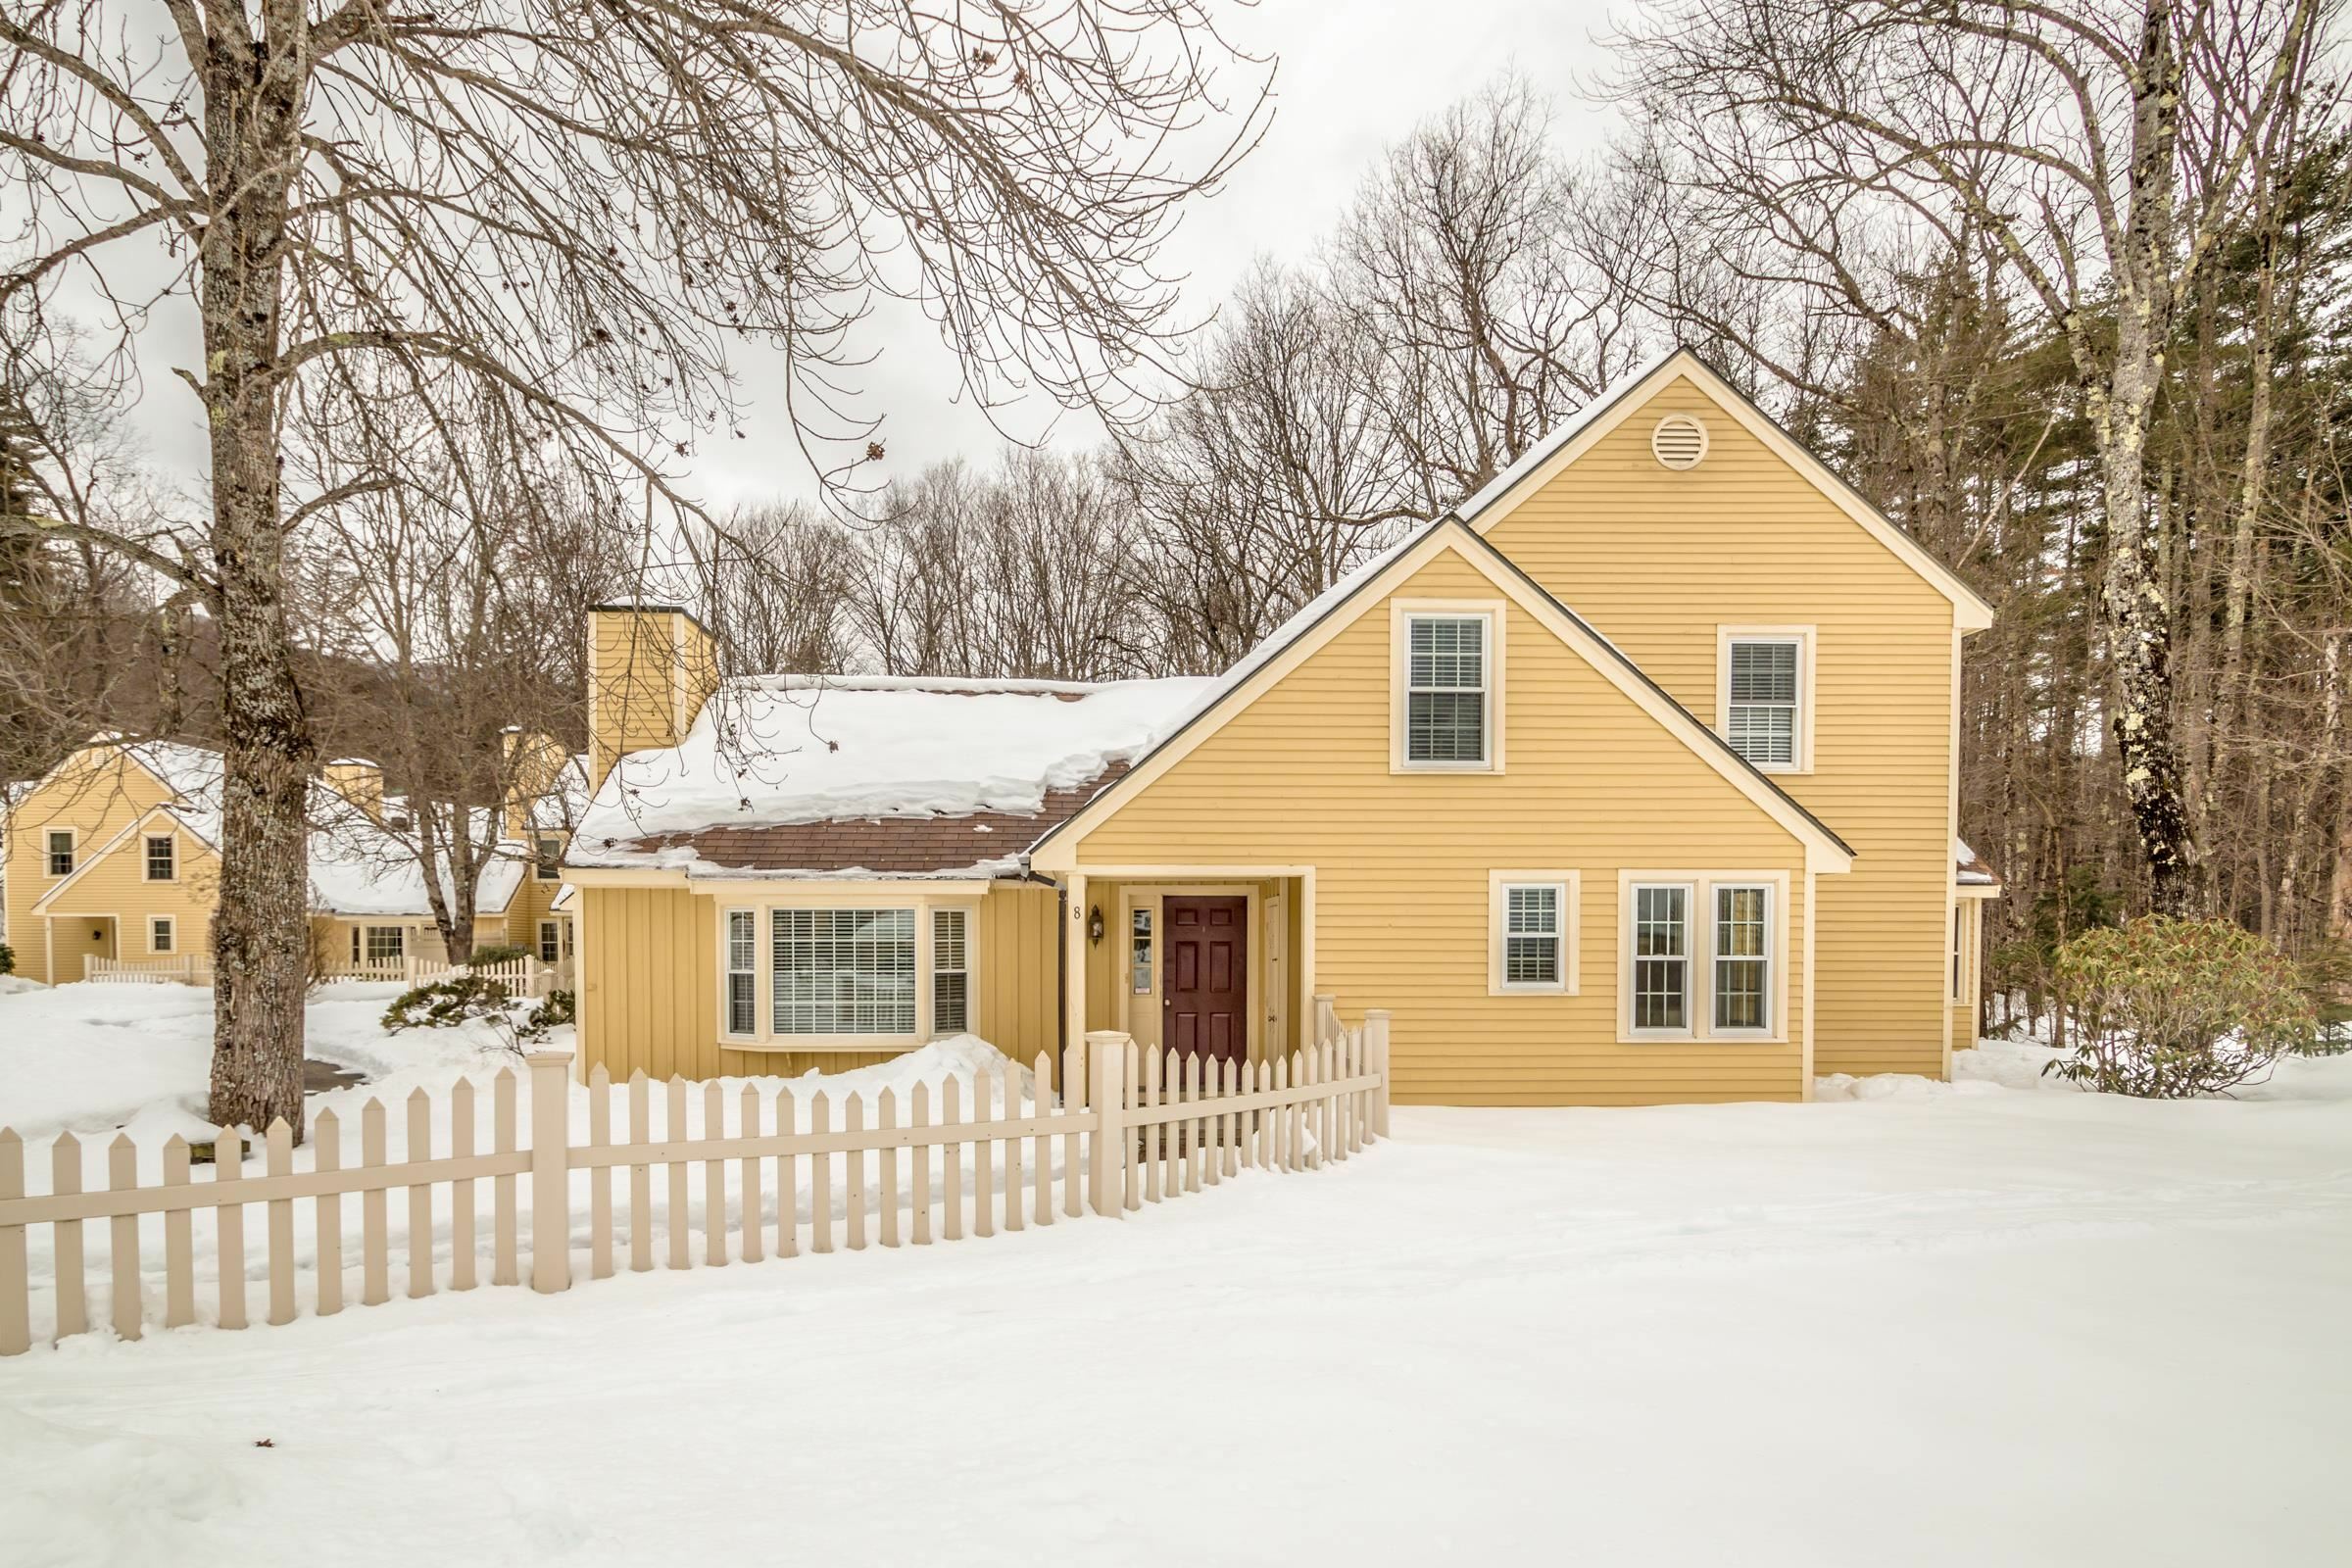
{"x":541,"y":870}
{"x":147,"y":875}
{"x":1701,"y":955}
{"x":545,"y":929}
{"x":164,"y":922}
{"x":1803,"y":637}
{"x":73,"y":839}
{"x":1570,"y":887}
{"x":1402,"y":613}
{"x":914,"y":896}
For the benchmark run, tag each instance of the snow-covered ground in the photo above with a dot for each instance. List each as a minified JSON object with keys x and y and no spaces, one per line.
{"x":1911,"y":1323}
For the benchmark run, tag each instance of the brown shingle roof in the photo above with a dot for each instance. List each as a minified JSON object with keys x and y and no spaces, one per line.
{"x":893,"y":846}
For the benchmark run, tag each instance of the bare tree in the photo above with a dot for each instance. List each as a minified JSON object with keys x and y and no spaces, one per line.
{"x":1459,"y":259}
{"x":571,"y":207}
{"x":2099,"y":153}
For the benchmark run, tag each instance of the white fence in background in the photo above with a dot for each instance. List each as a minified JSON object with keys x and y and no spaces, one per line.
{"x":1132,"y":1127}
{"x":524,"y":977}
{"x":180,"y":970}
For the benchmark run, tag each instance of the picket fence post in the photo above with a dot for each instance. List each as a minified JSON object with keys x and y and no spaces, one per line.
{"x":1376,"y":1060}
{"x":1105,"y":1096}
{"x":551,"y":1169}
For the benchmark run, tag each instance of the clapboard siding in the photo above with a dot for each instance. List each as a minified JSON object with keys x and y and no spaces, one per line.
{"x":97,"y":793}
{"x":1656,"y":559}
{"x":1592,"y":783}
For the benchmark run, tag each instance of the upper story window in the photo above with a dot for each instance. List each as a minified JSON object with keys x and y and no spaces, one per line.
{"x":1766,"y":679}
{"x":61,"y":852}
{"x":1448,"y":666}
{"x":548,"y":857}
{"x":162,"y":857}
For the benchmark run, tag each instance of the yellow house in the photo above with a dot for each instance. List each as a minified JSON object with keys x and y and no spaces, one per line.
{"x":1632,"y":780}
{"x":113,"y":866}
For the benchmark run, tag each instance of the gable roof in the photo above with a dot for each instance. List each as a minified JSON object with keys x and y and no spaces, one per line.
{"x":1570,"y":440}
{"x":356,"y":867}
{"x":1338,"y":607}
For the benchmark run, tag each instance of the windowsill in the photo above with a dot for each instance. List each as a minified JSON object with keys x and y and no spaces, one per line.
{"x":1530,"y":991}
{"x":1443,"y":767}
{"x":819,"y":1044}
{"x":1777,"y":769}
{"x":1685,"y":1037}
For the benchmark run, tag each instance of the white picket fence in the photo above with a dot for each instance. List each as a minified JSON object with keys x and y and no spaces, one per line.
{"x":1132,"y":1127}
{"x":524,"y":977}
{"x":178,"y":969}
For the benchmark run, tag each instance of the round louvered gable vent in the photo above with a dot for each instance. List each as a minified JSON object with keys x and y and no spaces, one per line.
{"x":1678,"y":442}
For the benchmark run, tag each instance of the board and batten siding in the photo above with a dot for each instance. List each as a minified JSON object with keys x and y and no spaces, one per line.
{"x":648,"y":987}
{"x":1592,"y":783}
{"x":1657,"y":560}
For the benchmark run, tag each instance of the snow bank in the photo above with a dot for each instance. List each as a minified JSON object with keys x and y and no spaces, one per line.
{"x":868,"y":747}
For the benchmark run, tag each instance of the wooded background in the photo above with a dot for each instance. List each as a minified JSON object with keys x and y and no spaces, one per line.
{"x":2061,"y":289}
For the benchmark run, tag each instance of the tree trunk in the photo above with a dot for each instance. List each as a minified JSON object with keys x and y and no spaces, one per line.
{"x":261,"y":932}
{"x":2135,"y":610}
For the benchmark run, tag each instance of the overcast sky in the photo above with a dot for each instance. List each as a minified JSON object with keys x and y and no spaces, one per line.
{"x":1354,"y":75}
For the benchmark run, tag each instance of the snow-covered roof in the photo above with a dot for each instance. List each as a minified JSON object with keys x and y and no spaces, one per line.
{"x":566,"y":802}
{"x":358,"y":870}
{"x":357,"y":867}
{"x":781,"y":752}
{"x":1970,"y":873}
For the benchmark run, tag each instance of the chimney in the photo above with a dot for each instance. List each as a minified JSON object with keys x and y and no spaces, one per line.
{"x":651,"y":667}
{"x":359,"y":781}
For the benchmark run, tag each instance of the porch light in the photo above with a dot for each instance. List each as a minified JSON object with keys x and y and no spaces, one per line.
{"x":1094,"y":925}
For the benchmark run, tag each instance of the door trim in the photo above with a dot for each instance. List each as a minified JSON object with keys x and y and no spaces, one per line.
{"x":1138,"y":895}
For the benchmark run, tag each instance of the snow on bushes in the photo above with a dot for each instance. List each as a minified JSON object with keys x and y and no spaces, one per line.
{"x":446,"y":1004}
{"x":2166,"y":1008}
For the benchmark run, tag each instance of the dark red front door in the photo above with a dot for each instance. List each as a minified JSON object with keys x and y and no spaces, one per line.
{"x":1207,"y":999}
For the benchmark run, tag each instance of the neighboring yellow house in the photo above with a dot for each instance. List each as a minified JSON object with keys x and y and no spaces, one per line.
{"x":112,"y":856}
{"x":1633,"y":780}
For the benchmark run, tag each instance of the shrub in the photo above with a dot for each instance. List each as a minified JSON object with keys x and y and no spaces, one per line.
{"x":8,"y":959}
{"x":2166,"y":1008}
{"x":484,"y":957}
{"x":446,"y":1004}
{"x":558,"y":1008}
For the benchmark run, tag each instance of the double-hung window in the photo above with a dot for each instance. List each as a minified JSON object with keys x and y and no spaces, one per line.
{"x":1742,"y":958}
{"x":743,"y":961}
{"x":1447,"y":719}
{"x":61,"y":852}
{"x":162,"y":934}
{"x":1765,"y":683}
{"x":162,"y":857}
{"x":842,"y":972}
{"x":386,"y":944}
{"x":951,"y":971}
{"x":549,"y":943}
{"x":547,"y":857}
{"x":1661,"y":949}
{"x":1530,"y":932}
